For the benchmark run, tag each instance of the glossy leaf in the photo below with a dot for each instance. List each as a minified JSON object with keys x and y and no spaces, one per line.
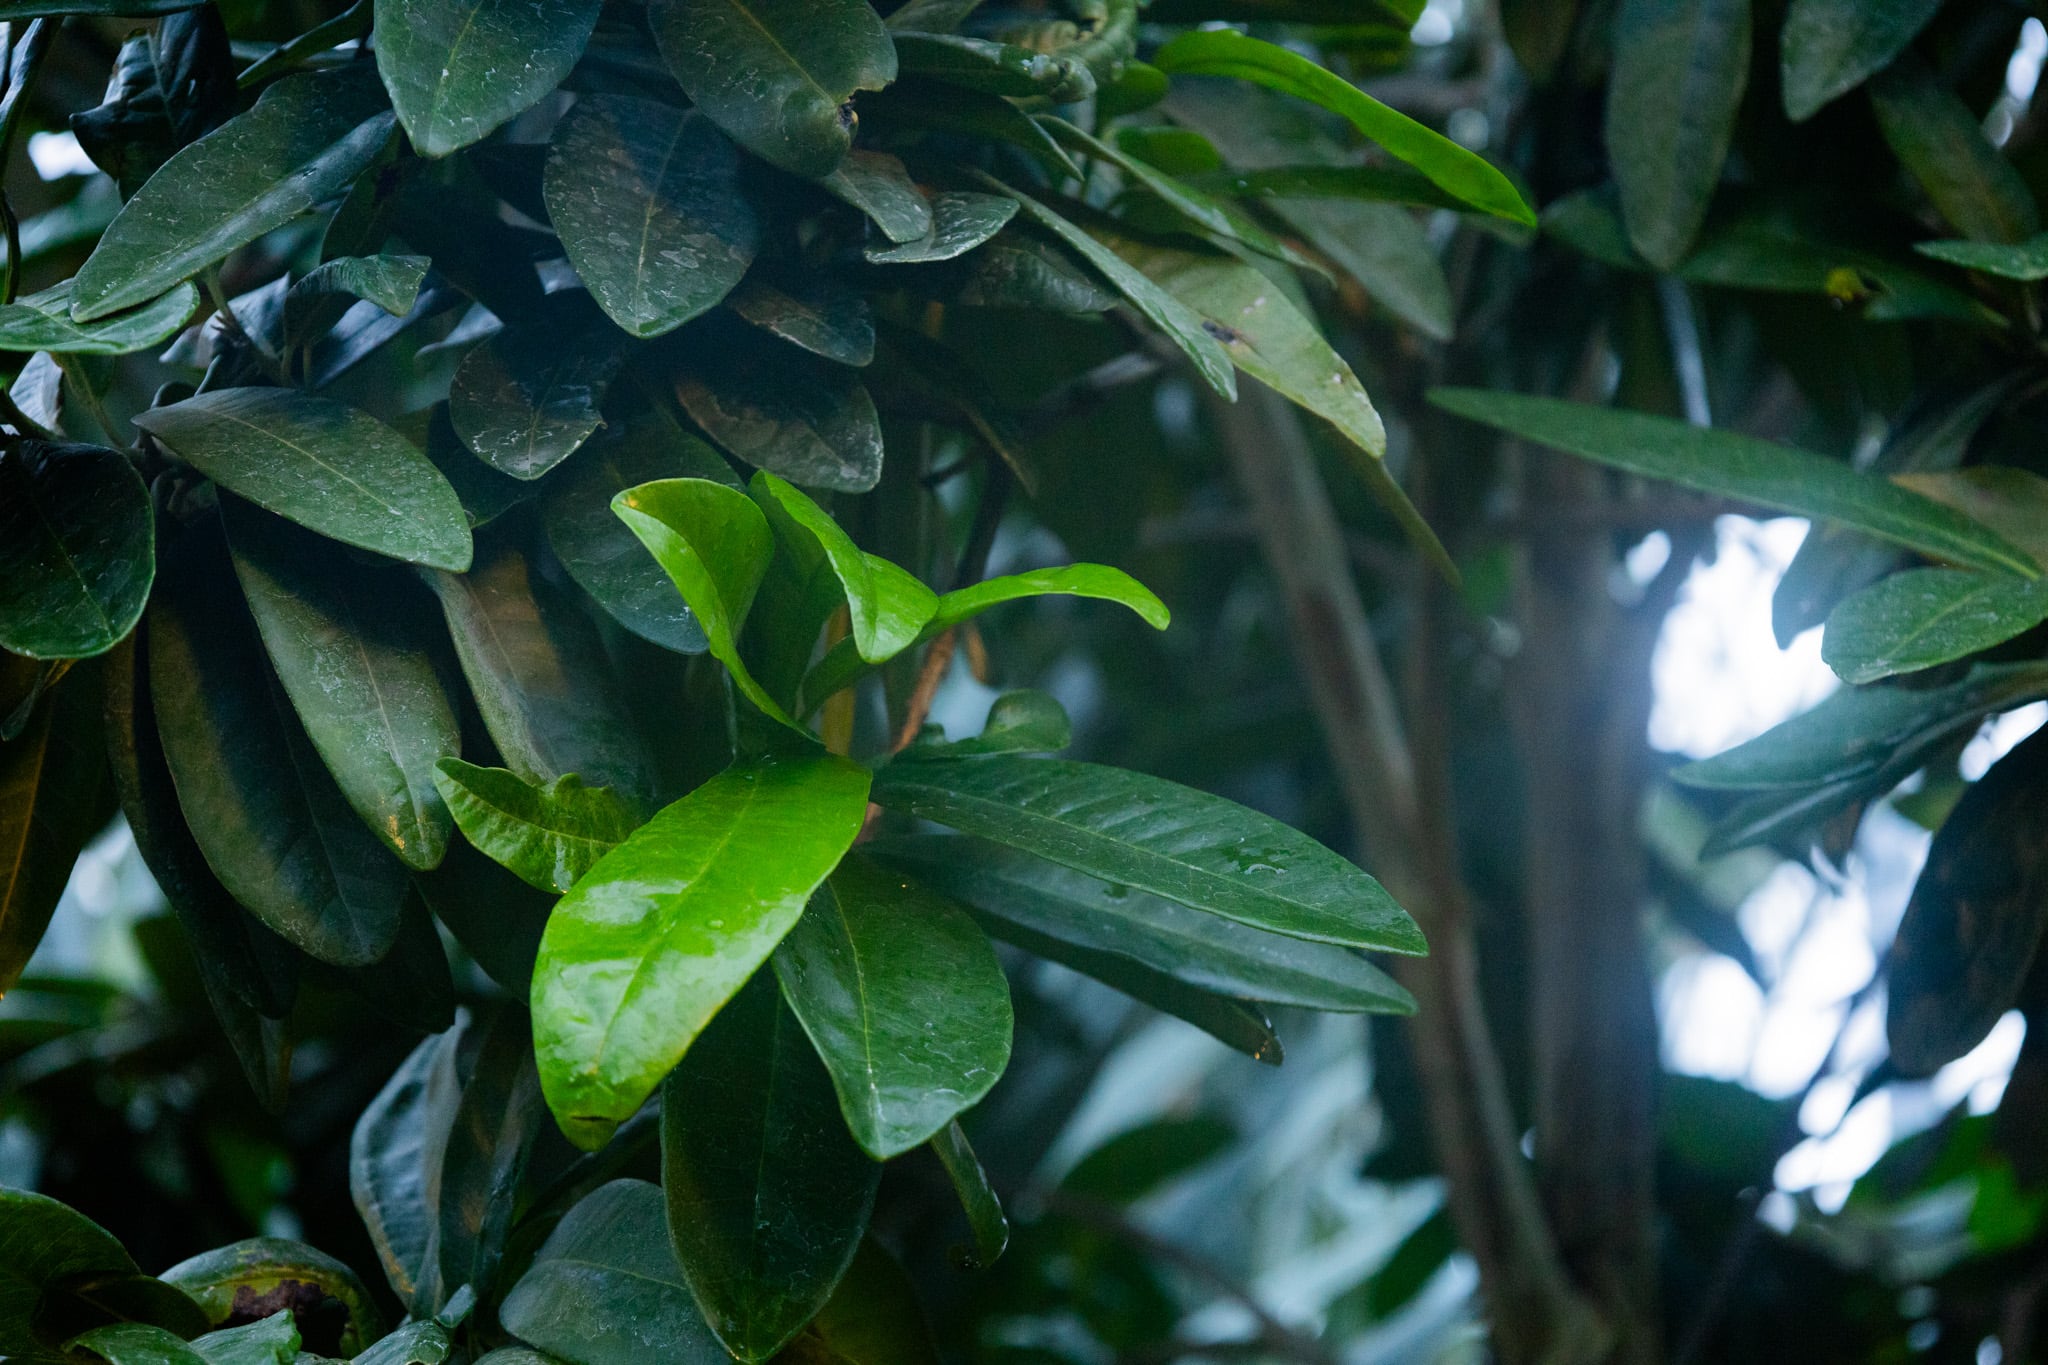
{"x":352,"y":649}
{"x":1829,"y":47}
{"x":809,"y":309}
{"x":1223,"y":52}
{"x":492,"y":1137}
{"x":2027,"y":261}
{"x":390,"y":282}
{"x":782,"y":410}
{"x":1375,"y":184}
{"x":77,"y":549}
{"x":1070,"y":580}
{"x":961,"y":221}
{"x":715,"y":545}
{"x":1151,"y":835}
{"x":777,"y":75}
{"x":457,"y":69}
{"x":414,"y":1343}
{"x":1744,"y":467}
{"x":1680,"y":67}
{"x":1006,"y":888}
{"x":878,"y":185}
{"x":329,"y":467}
{"x":604,"y":1289}
{"x":537,"y":670}
{"x":307,"y":138}
{"x":548,"y":836}
{"x":394,"y":1167}
{"x":267,"y":1341}
{"x":986,"y":1221}
{"x":1193,"y":209}
{"x":1942,"y":144}
{"x":903,"y":998}
{"x":134,"y":1343}
{"x":1923,"y":617}
{"x":872,"y":1318}
{"x":619,"y":163}
{"x":887,"y":606}
{"x":655,"y":938}
{"x":42,"y":322}
{"x":768,"y":1197}
{"x":527,"y":398}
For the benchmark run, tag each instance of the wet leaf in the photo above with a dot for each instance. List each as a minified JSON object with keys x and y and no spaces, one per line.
{"x":77,"y":549}
{"x":527,"y":398}
{"x":457,"y":69}
{"x":548,"y":836}
{"x":1922,"y":617}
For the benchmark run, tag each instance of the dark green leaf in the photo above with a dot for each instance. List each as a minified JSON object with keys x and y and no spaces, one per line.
{"x":352,"y":648}
{"x":134,"y":1343}
{"x":1018,"y":723}
{"x":2026,"y":260}
{"x":768,"y":1196}
{"x":394,"y":1167}
{"x":617,"y":160}
{"x":527,"y":398}
{"x":549,"y":836}
{"x":308,"y":137}
{"x":496,"y":918}
{"x":961,"y":221}
{"x":903,"y":998}
{"x":1152,"y":835}
{"x":411,"y":985}
{"x":777,"y":75}
{"x":929,"y":107}
{"x":604,"y":1289}
{"x":77,"y":549}
{"x":42,"y":322}
{"x":1680,"y":67}
{"x":809,"y":309}
{"x":44,"y":1243}
{"x":878,"y":185}
{"x":1377,"y":184}
{"x":1007,"y":888}
{"x":329,"y":467}
{"x":268,"y":1341}
{"x":1943,"y":145}
{"x":262,"y":1268}
{"x":414,"y":1343}
{"x":1736,"y":466}
{"x":809,"y":421}
{"x":1139,"y":1160}
{"x":1018,"y":270}
{"x":1829,"y":47}
{"x":390,"y":282}
{"x":995,"y":68}
{"x":986,"y":1222}
{"x":872,"y":1318}
{"x":1923,"y":617}
{"x":659,"y":934}
{"x":457,"y":69}
{"x":492,"y":1137}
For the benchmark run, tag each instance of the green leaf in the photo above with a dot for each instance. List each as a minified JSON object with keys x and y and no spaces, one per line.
{"x":549,"y":836}
{"x":1069,"y":580}
{"x":537,"y":669}
{"x":1941,"y":143}
{"x":985,"y":1218}
{"x":390,"y":282}
{"x":604,"y":1289}
{"x":492,"y":1137}
{"x":1223,"y":52}
{"x":872,"y":1318}
{"x":268,"y":1341}
{"x":44,"y":1243}
{"x":659,"y":934}
{"x":775,"y":74}
{"x":307,"y":138}
{"x":1829,"y":47}
{"x":1375,"y":184}
{"x":327,"y":466}
{"x":527,"y":398}
{"x":1680,"y":67}
{"x":1018,"y":723}
{"x":903,"y":998}
{"x":1923,"y":617}
{"x":888,"y":607}
{"x":1139,"y":1160}
{"x":768,"y":1197}
{"x":134,"y":1343}
{"x":457,"y":69}
{"x":1152,"y":835}
{"x":1735,"y":466}
{"x":715,"y":545}
{"x":1163,"y":310}
{"x":2027,"y":261}
{"x":809,"y":309}
{"x":878,"y":185}
{"x":928,"y":107}
{"x":961,"y":221}
{"x":273,"y":825}
{"x":618,"y":160}
{"x":411,"y":985}
{"x":42,"y":322}
{"x":352,"y":648}
{"x":811,"y":422}
{"x":1006,"y":889}
{"x":261,"y":1269}
{"x":394,"y":1167}
{"x":994,"y":68}
{"x":77,"y":549}
{"x":414,"y":1343}
{"x":1018,"y":269}
{"x":496,"y":918}
{"x":2011,"y":501}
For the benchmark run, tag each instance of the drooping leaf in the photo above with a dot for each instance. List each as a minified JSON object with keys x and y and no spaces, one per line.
{"x":872,"y":1318}
{"x":1922,"y":617}
{"x":1152,"y":835}
{"x":887,"y":606}
{"x":273,"y":825}
{"x":548,"y":836}
{"x":352,"y":648}
{"x":390,"y":282}
{"x":777,"y":75}
{"x":903,"y":998}
{"x":1942,"y":144}
{"x":768,"y":1197}
{"x":1745,"y":467}
{"x":1224,"y":52}
{"x":277,"y":1268}
{"x":783,"y":410}
{"x":1680,"y":67}
{"x":986,"y":1222}
{"x":538,"y":673}
{"x":308,"y":137}
{"x":961,"y":221}
{"x":604,"y":1289}
{"x":42,"y":322}
{"x":1018,"y":723}
{"x":809,"y":309}
{"x":394,"y":1167}
{"x":1005,"y":888}
{"x":77,"y":549}
{"x":1829,"y":47}
{"x":330,"y":467}
{"x":877,"y":184}
{"x":618,"y":163}
{"x":457,"y":69}
{"x":488,"y":1146}
{"x":655,"y":938}
{"x":527,"y":398}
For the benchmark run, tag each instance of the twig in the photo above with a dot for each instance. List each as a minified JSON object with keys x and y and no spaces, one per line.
{"x":933,"y":672}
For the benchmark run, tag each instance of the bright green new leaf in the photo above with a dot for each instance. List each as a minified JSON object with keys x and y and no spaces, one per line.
{"x":1735,"y":466}
{"x":457,"y":69}
{"x":903,"y":998}
{"x":1152,"y":835}
{"x":674,"y":180}
{"x":1923,"y":617}
{"x":42,"y":322}
{"x":656,"y":937}
{"x":888,"y":606}
{"x":549,"y":836}
{"x":1829,"y":47}
{"x":308,"y":137}
{"x":1069,"y":580}
{"x":77,"y":549}
{"x":329,"y":467}
{"x":1224,"y":52}
{"x":777,"y":75}
{"x":768,"y":1197}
